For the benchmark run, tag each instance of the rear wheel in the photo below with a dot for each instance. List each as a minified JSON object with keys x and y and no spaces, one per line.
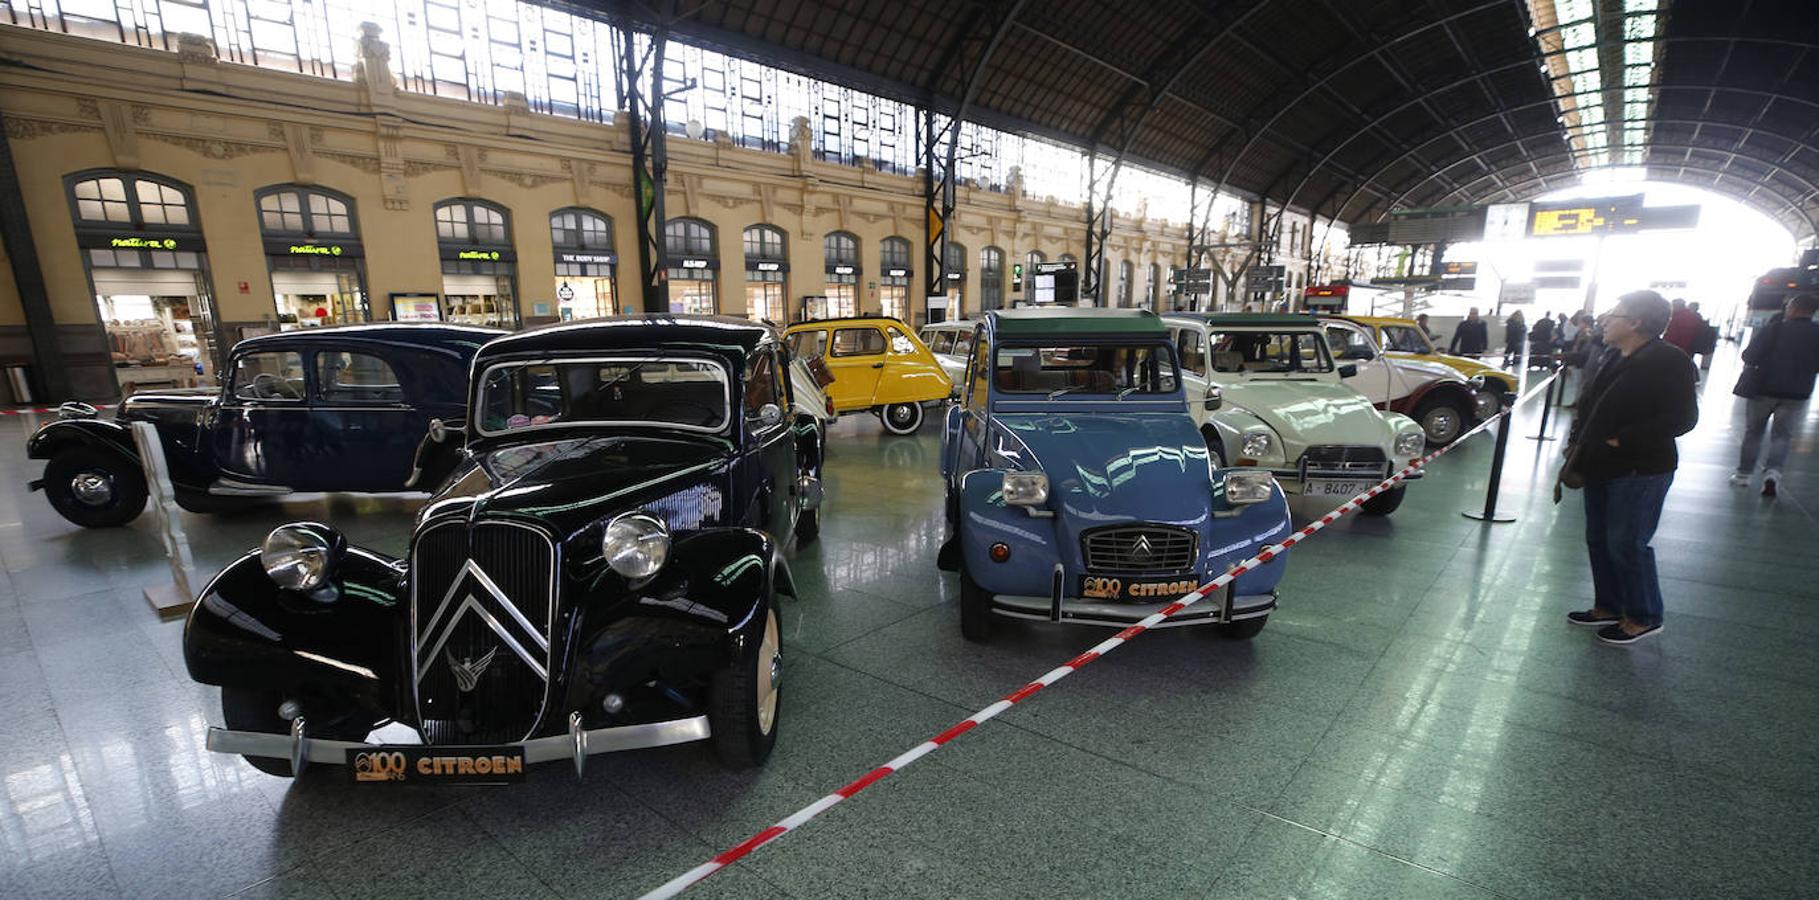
{"x":94,"y":488}
{"x":901,"y":418}
{"x":1443,"y":419}
{"x":1244,"y":629}
{"x":975,"y":609}
{"x":745,"y":696}
{"x":256,"y":709}
{"x":1385,"y":503}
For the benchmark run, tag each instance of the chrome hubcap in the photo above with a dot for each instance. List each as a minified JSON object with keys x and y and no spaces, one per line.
{"x":770,"y":673}
{"x":92,"y":488}
{"x":1441,"y":425}
{"x":900,"y":414}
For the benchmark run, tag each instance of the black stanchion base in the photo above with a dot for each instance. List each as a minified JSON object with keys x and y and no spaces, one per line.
{"x":1491,"y":519}
{"x":1542,"y":437}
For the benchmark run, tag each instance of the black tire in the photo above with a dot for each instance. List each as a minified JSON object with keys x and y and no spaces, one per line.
{"x":901,"y":418}
{"x":744,"y":733}
{"x":1385,"y":503}
{"x":1243,"y":629}
{"x":808,"y":527}
{"x":1215,"y":448}
{"x":1443,"y":419}
{"x":975,"y":609}
{"x":122,"y":482}
{"x":256,"y":709}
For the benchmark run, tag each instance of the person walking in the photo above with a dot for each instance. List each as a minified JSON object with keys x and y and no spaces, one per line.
{"x":1781,"y":360}
{"x":1471,"y":337}
{"x":1541,"y":341}
{"x":1705,"y":340}
{"x":1643,"y":396}
{"x":1682,"y":328}
{"x":1515,"y":331}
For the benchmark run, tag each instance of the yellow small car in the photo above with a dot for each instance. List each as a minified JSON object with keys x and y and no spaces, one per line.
{"x":1403,"y":338}
{"x":878,"y":364}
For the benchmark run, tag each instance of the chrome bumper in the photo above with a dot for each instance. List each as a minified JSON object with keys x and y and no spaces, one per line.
{"x":577,"y":745}
{"x":1220,"y":610}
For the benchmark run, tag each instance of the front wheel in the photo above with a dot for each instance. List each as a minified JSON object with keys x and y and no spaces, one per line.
{"x":975,"y":609}
{"x":1443,"y":420}
{"x":93,"y":488}
{"x":745,"y":696}
{"x":1242,"y":630}
{"x":1385,"y":503}
{"x":901,"y":418}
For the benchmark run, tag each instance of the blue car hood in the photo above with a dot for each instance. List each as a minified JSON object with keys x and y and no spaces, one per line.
{"x":1105,"y":468}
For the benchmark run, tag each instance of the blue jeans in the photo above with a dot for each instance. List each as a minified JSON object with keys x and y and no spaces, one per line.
{"x":1620,"y":518}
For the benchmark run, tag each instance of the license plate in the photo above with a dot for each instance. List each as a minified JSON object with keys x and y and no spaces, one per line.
{"x":1323,"y":488}
{"x":412,"y":764}
{"x":1144,"y":590}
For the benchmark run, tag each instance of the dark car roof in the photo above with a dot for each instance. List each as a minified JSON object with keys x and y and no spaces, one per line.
{"x":1250,"y":320}
{"x":725,"y":335}
{"x":1067,"y":320}
{"x":848,"y":320}
{"x":458,"y":339}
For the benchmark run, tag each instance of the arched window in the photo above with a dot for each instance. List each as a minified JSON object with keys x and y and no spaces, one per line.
{"x":1127,"y":273}
{"x":134,"y":199}
{"x":991,"y":278}
{"x":766,"y":273}
{"x":842,"y":259}
{"x":479,"y":266}
{"x":893,"y":281}
{"x":586,"y":266}
{"x":314,"y":254}
{"x":694,"y":258}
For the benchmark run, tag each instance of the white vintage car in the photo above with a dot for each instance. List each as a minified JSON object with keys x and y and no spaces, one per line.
{"x":951,"y":342}
{"x":1266,"y":392}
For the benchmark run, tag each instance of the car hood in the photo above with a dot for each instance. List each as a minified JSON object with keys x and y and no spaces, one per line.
{"x":1105,"y":468}
{"x":1424,"y":371}
{"x":1310,"y":412}
{"x":568,"y":484}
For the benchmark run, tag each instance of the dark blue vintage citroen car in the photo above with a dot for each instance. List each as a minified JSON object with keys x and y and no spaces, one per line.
{"x":598,"y":573}
{"x":323,"y":409}
{"x":1079,"y":490}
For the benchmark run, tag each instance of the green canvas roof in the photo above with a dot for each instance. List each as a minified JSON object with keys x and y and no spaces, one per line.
{"x":1052,"y":320}
{"x":1251,"y":320}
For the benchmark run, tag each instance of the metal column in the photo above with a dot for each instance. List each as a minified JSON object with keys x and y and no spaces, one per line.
{"x":644,"y":116}
{"x":937,"y":204}
{"x":28,"y":275}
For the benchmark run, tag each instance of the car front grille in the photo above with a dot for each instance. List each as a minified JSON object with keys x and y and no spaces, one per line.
{"x":482,"y":608}
{"x":1139,"y":549}
{"x":1344,"y":461}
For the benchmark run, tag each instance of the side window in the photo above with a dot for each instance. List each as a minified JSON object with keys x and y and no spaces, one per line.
{"x":857,"y":342}
{"x":1347,"y":344}
{"x":979,"y":375}
{"x":901,"y":345}
{"x":940,"y":340}
{"x":761,"y":385}
{"x":807,"y":345}
{"x":275,"y":375}
{"x":1403,"y":339}
{"x":963,"y":343}
{"x":1188,"y":346}
{"x":356,"y":378}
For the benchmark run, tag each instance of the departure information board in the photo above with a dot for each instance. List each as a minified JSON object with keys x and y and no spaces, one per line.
{"x":1606,"y":215}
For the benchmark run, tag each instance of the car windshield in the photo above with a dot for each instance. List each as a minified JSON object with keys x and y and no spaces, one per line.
{"x":1269,"y":352}
{"x":1079,"y":368}
{"x":665,"y":392}
{"x":1405,"y":339}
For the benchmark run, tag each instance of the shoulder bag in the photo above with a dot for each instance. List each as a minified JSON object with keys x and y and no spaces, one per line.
{"x":1749,"y":382}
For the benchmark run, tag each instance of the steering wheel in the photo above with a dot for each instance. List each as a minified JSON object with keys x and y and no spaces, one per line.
{"x":267,"y":386}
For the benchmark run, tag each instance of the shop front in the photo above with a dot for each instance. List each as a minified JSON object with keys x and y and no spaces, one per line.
{"x":585,"y":264}
{"x":479,"y":266}
{"x":842,"y":264}
{"x":952,"y":305}
{"x":694,"y":266}
{"x":894,"y":281}
{"x":314,"y":256}
{"x":143,"y":251}
{"x":766,"y":274}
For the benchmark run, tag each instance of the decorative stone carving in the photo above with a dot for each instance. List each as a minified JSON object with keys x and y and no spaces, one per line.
{"x":526,"y":180}
{"x":470,"y":157}
{"x":413,"y":167}
{"x":196,"y":50}
{"x":122,"y":133}
{"x":367,"y":164}
{"x":373,"y":73}
{"x":213,"y":148}
{"x":88,"y":108}
{"x":301,"y":149}
{"x":25,"y":129}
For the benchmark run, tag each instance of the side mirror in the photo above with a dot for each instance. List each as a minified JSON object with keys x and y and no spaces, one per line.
{"x":441,"y":429}
{"x":1348,"y":370}
{"x":770,"y":415}
{"x":1215,"y":398}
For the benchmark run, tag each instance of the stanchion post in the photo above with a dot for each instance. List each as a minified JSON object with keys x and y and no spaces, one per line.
{"x":1489,"y":515}
{"x":1547,"y":406}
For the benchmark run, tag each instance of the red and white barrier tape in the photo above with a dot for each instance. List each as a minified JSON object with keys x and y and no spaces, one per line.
{"x":802,"y":816}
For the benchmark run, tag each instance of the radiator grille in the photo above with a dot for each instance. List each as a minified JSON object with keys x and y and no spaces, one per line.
{"x":1139,"y":549}
{"x":1344,"y":461}
{"x":483,"y":605}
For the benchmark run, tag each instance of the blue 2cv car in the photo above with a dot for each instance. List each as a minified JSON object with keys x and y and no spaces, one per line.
{"x":1078,"y":489}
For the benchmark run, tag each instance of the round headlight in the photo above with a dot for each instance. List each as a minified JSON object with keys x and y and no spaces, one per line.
{"x":1410,"y":443}
{"x":301,"y":557}
{"x":636,"y":545}
{"x":1256,"y":445}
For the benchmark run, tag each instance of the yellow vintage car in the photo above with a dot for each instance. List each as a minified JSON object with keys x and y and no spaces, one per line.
{"x":1403,"y":339}
{"x":878,"y":365}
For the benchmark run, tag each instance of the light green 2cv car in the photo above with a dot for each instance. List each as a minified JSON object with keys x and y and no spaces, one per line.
{"x":1266,"y":392}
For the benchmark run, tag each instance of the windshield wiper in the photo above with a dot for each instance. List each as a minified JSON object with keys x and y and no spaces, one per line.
{"x":1129,"y":390}
{"x":1059,"y":391}
{"x":628,"y":373}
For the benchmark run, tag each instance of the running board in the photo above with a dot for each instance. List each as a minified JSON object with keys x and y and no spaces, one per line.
{"x":227,"y":487}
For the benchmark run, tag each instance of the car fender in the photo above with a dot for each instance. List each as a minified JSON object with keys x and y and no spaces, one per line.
{"x":1438,"y":388}
{"x":348,"y":640}
{"x":680,"y":627}
{"x":985,"y":519}
{"x":1237,"y":536}
{"x":950,"y":438}
{"x":1230,"y":424}
{"x":104,"y":434}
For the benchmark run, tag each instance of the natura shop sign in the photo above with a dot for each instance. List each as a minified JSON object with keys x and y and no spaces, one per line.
{"x":323,"y":249}
{"x":94,"y":240}
{"x":479,"y":254}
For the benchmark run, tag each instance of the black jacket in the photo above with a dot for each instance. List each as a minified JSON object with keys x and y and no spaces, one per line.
{"x":1470,"y":337}
{"x":1788,"y":352}
{"x":1644,"y":400}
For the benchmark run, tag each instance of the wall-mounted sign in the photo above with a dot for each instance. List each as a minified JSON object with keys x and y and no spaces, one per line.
{"x":412,"y":307}
{"x":478,"y":254}
{"x":1459,"y":268}
{"x":565,"y":292}
{"x":1016,"y":276}
{"x":955,"y":276}
{"x":1516,"y":292}
{"x":323,"y":249}
{"x":605,"y":259}
{"x":488,"y":255}
{"x":116,"y":241}
{"x":897,"y":273}
{"x":769,"y":266}
{"x":694,"y":262}
{"x":842,"y":270}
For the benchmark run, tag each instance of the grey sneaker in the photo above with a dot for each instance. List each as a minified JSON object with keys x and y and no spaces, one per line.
{"x":1770,"y":481}
{"x":1740,"y":479}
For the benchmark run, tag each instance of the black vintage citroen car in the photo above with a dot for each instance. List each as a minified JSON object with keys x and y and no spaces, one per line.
{"x":599,"y":572}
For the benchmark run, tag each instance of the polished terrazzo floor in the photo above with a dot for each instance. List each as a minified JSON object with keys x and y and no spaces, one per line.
{"x":1417,"y":720}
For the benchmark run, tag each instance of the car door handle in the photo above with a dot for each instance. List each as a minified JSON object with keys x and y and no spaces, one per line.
{"x":877,"y":365}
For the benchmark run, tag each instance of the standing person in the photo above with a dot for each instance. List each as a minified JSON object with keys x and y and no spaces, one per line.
{"x":1705,"y":341}
{"x":1421,"y":323}
{"x":1541,"y":341}
{"x":1515,"y":331}
{"x":1644,"y":395}
{"x":1682,"y":327}
{"x":1471,"y":337}
{"x":1786,"y":354}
